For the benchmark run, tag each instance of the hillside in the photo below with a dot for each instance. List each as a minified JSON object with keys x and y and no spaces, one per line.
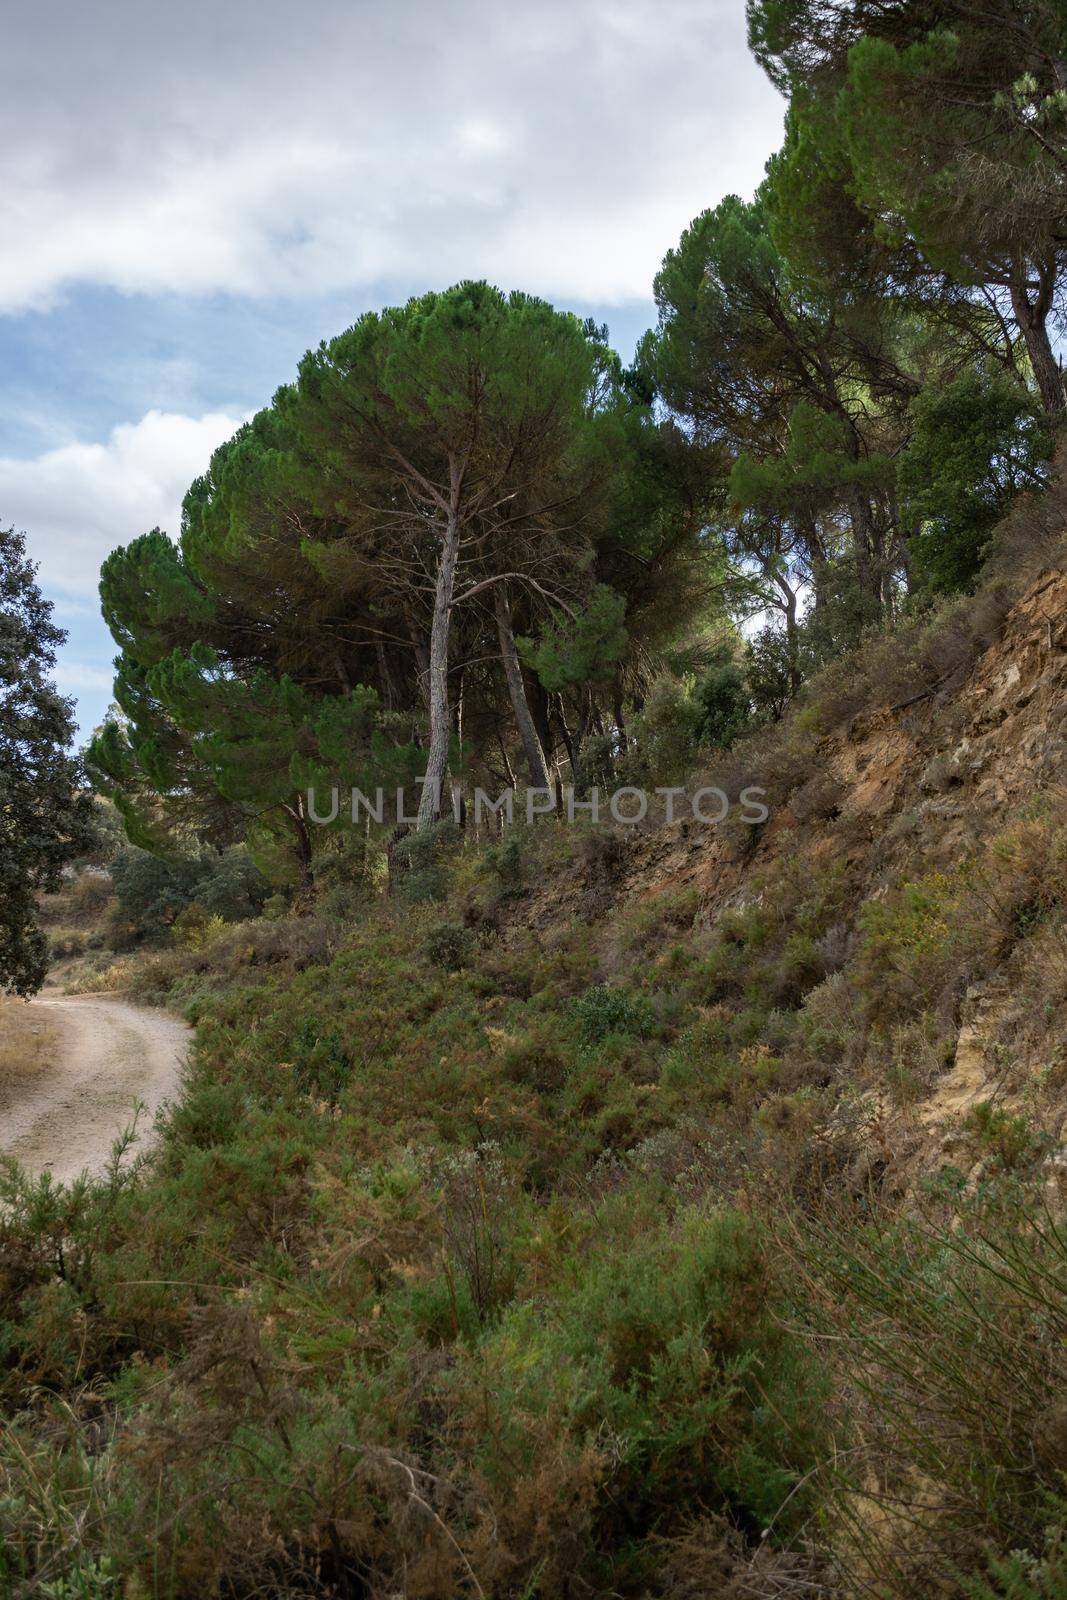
{"x":652,"y":1212}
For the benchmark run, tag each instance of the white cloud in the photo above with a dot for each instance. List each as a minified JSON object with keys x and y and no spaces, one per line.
{"x":264,"y":148}
{"x":77,"y":677}
{"x":77,"y":502}
{"x":480,"y":135}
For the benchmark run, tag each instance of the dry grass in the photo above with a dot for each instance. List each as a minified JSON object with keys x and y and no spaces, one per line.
{"x":29,"y":1042}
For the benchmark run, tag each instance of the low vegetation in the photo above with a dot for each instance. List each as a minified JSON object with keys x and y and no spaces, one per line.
{"x":28,"y":1046}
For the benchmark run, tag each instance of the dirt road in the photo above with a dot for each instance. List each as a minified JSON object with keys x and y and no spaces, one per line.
{"x":64,"y":1114}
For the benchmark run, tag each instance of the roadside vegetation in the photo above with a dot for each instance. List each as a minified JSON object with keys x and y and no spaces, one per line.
{"x":28,"y":1046}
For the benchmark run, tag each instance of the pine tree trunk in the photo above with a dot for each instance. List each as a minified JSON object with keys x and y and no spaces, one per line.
{"x":385,"y":677}
{"x":440,"y":716}
{"x":1032,"y":321}
{"x":508,"y":772}
{"x":792,"y":637}
{"x":860,"y":517}
{"x":306,"y":886}
{"x":541,"y":711}
{"x":568,"y":742}
{"x":531,"y":744}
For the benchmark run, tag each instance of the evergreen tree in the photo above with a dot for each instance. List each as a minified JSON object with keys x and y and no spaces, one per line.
{"x":789,"y":384}
{"x":951,"y":120}
{"x":976,"y":444}
{"x":460,"y":440}
{"x":45,"y":814}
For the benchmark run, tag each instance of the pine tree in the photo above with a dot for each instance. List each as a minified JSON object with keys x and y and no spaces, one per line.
{"x":459,"y":440}
{"x":45,"y":813}
{"x":952,"y":122}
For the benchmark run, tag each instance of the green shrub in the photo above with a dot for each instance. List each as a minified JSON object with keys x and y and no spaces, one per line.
{"x":664,"y":1352}
{"x":1008,"y":1142}
{"x":769,"y":673}
{"x":950,"y":1337}
{"x":151,"y":892}
{"x":195,"y":928}
{"x":449,"y":945}
{"x":975,"y":443}
{"x":91,"y":891}
{"x":912,"y":942}
{"x":479,"y":1195}
{"x":321,"y":1064}
{"x":424,"y":862}
{"x":603,"y":1011}
{"x":506,"y":862}
{"x":667,"y":731}
{"x":538,"y":1059}
{"x":1028,"y":1577}
{"x":724,"y":697}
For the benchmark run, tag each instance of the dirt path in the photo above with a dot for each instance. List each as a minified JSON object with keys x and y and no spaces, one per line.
{"x":63,"y":1114}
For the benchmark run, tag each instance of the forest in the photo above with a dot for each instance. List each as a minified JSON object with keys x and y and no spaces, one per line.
{"x":574,"y":1210}
{"x":467,"y":543}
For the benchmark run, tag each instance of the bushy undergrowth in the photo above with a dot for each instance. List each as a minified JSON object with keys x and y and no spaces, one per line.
{"x":465,"y":1267}
{"x":953,"y":1342}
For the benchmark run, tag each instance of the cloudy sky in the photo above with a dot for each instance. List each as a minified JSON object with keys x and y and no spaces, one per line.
{"x":192,"y":195}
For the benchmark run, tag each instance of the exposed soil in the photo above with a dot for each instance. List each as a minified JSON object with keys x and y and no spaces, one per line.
{"x":102,"y":1059}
